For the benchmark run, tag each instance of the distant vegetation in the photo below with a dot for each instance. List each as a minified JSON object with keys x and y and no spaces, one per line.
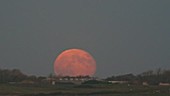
{"x":151,"y":77}
{"x":11,"y":76}
{"x":16,"y":75}
{"x":12,"y":83}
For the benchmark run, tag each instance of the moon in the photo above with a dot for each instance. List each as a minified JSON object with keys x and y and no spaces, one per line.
{"x":74,"y":62}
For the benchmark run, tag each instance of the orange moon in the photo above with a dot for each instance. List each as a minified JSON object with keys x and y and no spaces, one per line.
{"x":74,"y":62}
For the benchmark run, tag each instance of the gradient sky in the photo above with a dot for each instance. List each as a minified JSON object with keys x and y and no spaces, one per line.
{"x":124,"y":36}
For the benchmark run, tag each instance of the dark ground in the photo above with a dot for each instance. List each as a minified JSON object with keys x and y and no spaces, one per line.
{"x":83,"y":90}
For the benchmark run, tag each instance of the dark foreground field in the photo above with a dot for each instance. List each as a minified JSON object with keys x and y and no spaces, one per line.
{"x":83,"y":90}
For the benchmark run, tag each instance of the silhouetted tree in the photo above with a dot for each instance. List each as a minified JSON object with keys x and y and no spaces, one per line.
{"x":14,"y":75}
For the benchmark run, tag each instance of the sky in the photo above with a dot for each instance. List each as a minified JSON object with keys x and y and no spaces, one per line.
{"x":124,"y":36}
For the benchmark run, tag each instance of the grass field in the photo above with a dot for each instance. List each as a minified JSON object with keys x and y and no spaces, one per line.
{"x":83,"y":90}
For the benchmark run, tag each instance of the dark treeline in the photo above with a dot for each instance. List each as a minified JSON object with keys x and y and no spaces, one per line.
{"x":11,"y":75}
{"x":151,"y":77}
{"x":16,"y":75}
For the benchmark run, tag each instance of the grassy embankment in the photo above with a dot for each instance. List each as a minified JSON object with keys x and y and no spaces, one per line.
{"x":84,"y":90}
